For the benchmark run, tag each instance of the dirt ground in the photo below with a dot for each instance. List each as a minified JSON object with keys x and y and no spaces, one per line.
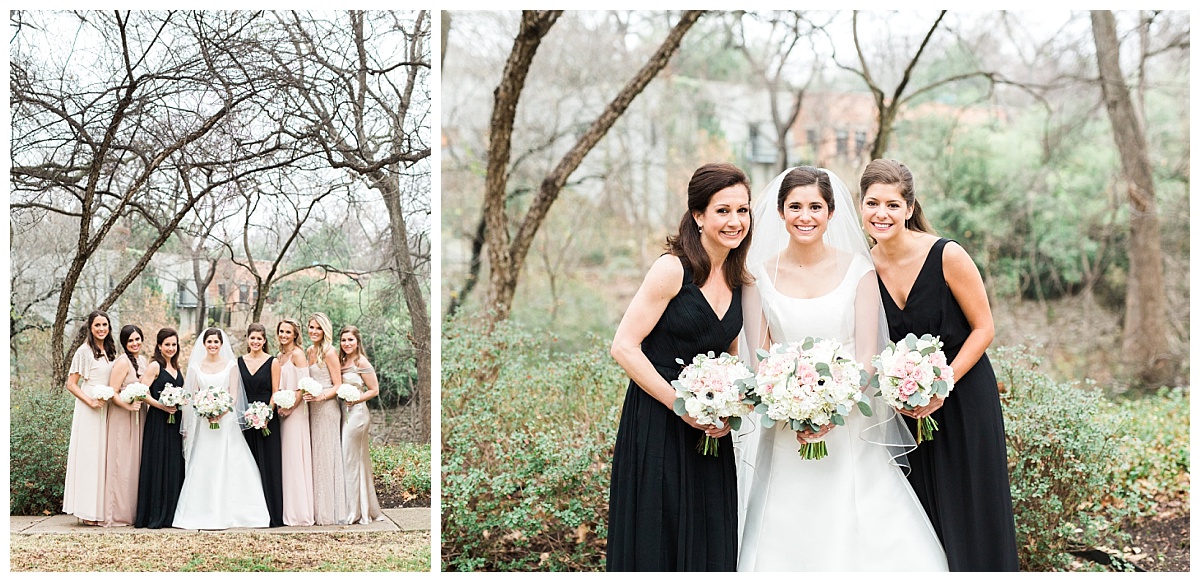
{"x":1163,"y":543}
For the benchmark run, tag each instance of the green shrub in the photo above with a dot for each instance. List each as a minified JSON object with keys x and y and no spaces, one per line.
{"x":527,"y":437}
{"x":39,"y":435}
{"x":402,"y":469}
{"x":1061,"y":441}
{"x":1152,"y":463}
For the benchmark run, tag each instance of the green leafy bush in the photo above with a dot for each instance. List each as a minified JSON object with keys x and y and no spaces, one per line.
{"x":402,"y":469}
{"x":1152,"y":463}
{"x":39,"y":435}
{"x":527,"y":437}
{"x":1062,"y":439}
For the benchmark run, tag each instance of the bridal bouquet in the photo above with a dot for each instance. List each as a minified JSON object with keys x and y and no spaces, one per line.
{"x":172,"y":395}
{"x":257,"y":415}
{"x":285,"y":398}
{"x":709,"y":389}
{"x":349,"y":392}
{"x":211,"y":403}
{"x":910,"y":373}
{"x":808,"y":385}
{"x":310,"y":386}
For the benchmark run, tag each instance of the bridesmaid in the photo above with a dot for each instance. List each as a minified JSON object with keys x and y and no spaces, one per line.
{"x":930,"y":285}
{"x":161,"y":475}
{"x":260,"y":385}
{"x":671,"y":508}
{"x":295,"y":444}
{"x":124,"y":440}
{"x":83,"y":492}
{"x":325,"y":424}
{"x":362,"y":502}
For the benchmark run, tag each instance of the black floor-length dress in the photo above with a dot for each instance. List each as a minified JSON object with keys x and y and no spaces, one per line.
{"x":961,"y":476}
{"x":267,"y":450}
{"x":160,"y":476}
{"x":671,"y":508}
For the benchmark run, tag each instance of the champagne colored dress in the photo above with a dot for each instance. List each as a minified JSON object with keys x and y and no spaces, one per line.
{"x":83,"y":491}
{"x":296,"y":446}
{"x":123,"y":456}
{"x":363,"y":504}
{"x":325,"y":426}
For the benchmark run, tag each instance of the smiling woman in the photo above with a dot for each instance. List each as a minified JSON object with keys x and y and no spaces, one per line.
{"x":671,"y":508}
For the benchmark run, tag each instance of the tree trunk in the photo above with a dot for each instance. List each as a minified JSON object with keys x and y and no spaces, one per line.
{"x":507,"y":259}
{"x":418,"y":312}
{"x":1145,"y":333}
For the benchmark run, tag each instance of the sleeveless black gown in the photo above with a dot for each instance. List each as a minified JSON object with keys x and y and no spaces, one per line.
{"x":671,"y":508}
{"x":267,"y":450}
{"x":161,"y":473}
{"x":961,"y":476}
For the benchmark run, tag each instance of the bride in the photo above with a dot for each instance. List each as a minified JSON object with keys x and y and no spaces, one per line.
{"x":854,"y":509}
{"x":221,"y":485}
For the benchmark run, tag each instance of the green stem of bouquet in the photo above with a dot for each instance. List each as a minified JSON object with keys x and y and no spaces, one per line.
{"x":708,"y":446}
{"x":925,"y":428}
{"x":813,"y":451}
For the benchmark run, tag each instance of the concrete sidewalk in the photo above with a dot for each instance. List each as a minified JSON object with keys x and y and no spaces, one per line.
{"x":403,"y":519}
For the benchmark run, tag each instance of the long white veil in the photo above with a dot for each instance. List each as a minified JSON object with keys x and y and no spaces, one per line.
{"x":190,"y":422}
{"x":752,"y":445}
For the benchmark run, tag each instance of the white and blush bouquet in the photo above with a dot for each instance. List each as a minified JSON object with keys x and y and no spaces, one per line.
{"x":310,"y":386}
{"x":712,"y":388}
{"x":211,"y":403}
{"x":257,"y":415}
{"x":172,"y":395}
{"x":808,"y":385}
{"x":349,"y":392}
{"x":285,"y":398}
{"x":910,"y":373}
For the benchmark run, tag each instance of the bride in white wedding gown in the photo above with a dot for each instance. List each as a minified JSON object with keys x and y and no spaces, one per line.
{"x":221,"y":485}
{"x":853,"y":509}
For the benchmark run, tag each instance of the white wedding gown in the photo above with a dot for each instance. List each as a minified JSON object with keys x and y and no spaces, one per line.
{"x":221,"y":485}
{"x":852,"y":510}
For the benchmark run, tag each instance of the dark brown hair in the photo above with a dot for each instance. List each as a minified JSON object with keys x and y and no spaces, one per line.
{"x":707,"y":181}
{"x":108,"y":346}
{"x":211,"y":331}
{"x":897,"y":174}
{"x":260,"y":328}
{"x":126,"y":333}
{"x":163,"y":334}
{"x":342,"y":355}
{"x":806,"y":176}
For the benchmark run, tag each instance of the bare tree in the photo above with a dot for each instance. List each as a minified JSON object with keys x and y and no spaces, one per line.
{"x":102,"y":131}
{"x":363,"y":98}
{"x":1145,"y":333}
{"x":506,"y":252}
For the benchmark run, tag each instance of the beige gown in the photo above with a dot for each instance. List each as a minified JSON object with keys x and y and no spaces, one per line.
{"x":123,"y":459}
{"x":83,"y":491}
{"x":362,"y":503}
{"x":329,"y":482}
{"x":296,"y":447}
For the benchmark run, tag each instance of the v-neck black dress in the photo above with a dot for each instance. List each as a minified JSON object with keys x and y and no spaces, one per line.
{"x":267,"y":450}
{"x":961,"y":476}
{"x":671,"y":508}
{"x":161,"y":474}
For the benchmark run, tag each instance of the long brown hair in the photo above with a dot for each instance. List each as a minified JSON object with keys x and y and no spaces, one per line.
{"x":126,"y":333}
{"x":707,"y":181}
{"x":897,"y":174}
{"x":163,"y":334}
{"x":260,"y":328}
{"x":108,"y":345}
{"x":342,"y":355}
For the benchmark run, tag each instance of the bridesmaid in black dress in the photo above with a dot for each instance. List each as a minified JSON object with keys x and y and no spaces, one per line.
{"x":671,"y":508}
{"x":161,"y":474}
{"x":930,"y":285}
{"x":260,"y":386}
